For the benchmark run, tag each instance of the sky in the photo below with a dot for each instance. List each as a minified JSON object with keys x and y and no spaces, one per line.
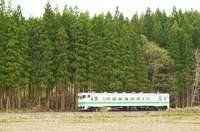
{"x":35,"y":8}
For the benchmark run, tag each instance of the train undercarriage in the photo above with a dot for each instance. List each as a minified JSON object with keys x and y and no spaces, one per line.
{"x":128,"y":108}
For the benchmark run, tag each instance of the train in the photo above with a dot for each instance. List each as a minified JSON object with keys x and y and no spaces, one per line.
{"x":92,"y":101}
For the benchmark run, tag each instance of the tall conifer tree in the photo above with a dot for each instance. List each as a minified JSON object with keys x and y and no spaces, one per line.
{"x":157,"y":34}
{"x":62,"y":64}
{"x":98,"y":53}
{"x":111,"y":63}
{"x":3,"y":41}
{"x":50,"y":37}
{"x":140,"y":65}
{"x":80,"y":52}
{"x":148,"y":24}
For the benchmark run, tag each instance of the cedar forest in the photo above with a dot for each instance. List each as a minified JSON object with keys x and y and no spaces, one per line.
{"x":46,"y":61}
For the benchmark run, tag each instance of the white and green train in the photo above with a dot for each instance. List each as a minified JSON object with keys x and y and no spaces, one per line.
{"x":123,"y":101}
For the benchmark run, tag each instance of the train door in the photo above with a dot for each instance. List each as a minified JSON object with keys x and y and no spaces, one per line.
{"x":79,"y":98}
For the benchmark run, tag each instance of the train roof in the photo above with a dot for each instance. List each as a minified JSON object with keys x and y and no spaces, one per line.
{"x":123,"y":93}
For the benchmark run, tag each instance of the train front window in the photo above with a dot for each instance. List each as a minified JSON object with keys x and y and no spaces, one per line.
{"x":84,"y":96}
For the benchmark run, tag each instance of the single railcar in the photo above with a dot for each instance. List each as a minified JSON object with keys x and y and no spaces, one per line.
{"x":123,"y":101}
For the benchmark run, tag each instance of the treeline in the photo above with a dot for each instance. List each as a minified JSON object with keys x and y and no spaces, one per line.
{"x":46,"y":61}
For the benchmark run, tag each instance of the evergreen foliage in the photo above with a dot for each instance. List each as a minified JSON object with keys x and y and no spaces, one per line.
{"x":54,"y":57}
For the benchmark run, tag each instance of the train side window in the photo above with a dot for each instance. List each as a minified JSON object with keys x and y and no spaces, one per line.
{"x":88,"y":96}
{"x":103,"y":98}
{"x":147,"y":98}
{"x":96,"y":98}
{"x":91,"y":97}
{"x":165,"y":98}
{"x":160,"y":98}
{"x":107,"y":98}
{"x":138,"y":98}
{"x":114,"y":98}
{"x":132,"y":98}
{"x":143,"y":98}
{"x":126,"y":98}
{"x":120,"y":98}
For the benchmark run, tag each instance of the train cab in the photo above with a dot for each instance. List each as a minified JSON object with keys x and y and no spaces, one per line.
{"x":82,"y":98}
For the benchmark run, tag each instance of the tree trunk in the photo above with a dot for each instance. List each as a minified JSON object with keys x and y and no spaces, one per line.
{"x":182,"y":100}
{"x":8,"y":98}
{"x":52,"y":100}
{"x":24,"y":97}
{"x":19,"y":101}
{"x":67,"y":98}
{"x":16,"y":99}
{"x":1,"y":97}
{"x":7,"y":103}
{"x":39,"y":101}
{"x":29,"y":92}
{"x":63,"y":98}
{"x":71,"y":97}
{"x":47,"y":97}
{"x":33,"y":100}
{"x":13,"y":99}
{"x":177,"y":102}
{"x":57,"y":97}
{"x":188,"y":98}
{"x":198,"y":97}
{"x":75,"y":99}
{"x":195,"y":88}
{"x":36,"y":97}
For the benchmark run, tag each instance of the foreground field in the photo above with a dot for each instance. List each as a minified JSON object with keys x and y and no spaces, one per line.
{"x":178,"y":120}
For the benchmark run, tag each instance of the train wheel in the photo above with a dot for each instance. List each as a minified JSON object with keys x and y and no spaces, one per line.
{"x":93,"y":109}
{"x":98,"y":109}
{"x":156,"y":108}
{"x":89,"y":109}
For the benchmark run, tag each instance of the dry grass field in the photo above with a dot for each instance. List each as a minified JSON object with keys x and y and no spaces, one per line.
{"x":172,"y":120}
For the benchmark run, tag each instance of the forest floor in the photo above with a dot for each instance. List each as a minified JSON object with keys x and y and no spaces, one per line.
{"x":137,"y":121}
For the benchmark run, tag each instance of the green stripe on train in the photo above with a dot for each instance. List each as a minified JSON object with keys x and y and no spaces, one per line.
{"x":123,"y":102}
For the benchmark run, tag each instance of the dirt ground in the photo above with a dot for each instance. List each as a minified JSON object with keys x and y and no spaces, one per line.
{"x":96,"y":121}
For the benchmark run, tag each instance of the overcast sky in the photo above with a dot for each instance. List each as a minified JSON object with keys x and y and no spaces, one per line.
{"x":127,"y":7}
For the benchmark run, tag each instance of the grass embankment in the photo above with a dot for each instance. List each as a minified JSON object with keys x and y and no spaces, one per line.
{"x":180,"y":115}
{"x":190,"y":115}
